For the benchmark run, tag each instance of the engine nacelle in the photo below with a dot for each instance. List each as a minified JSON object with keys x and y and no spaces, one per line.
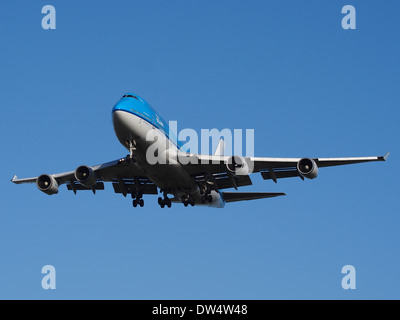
{"x":238,"y":166}
{"x":47,"y":184}
{"x":307,"y":168}
{"x":85,"y":176}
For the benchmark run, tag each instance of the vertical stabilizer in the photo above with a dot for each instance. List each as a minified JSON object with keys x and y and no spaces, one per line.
{"x":220,"y":150}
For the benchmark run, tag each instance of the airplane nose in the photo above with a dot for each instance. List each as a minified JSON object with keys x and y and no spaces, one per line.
{"x":118,"y":106}
{"x":121,"y":124}
{"x":124,"y":121}
{"x":119,"y":118}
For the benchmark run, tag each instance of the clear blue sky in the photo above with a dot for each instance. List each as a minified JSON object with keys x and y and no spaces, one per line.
{"x":284,"y":68}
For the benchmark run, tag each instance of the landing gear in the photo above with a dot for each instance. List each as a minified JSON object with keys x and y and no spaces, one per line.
{"x":137,"y":199}
{"x":206,"y":194}
{"x":136,"y":202}
{"x":205,"y":198}
{"x":188,"y":200}
{"x":132,"y":147}
{"x":130,"y":158}
{"x":164,"y":201}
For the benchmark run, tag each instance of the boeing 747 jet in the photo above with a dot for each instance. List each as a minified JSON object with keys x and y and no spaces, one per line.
{"x":191,"y":179}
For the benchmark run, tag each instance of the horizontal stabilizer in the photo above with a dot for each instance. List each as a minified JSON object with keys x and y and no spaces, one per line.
{"x":241,"y":196}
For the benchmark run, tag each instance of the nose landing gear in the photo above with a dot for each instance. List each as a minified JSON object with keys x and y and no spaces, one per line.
{"x":132,"y":147}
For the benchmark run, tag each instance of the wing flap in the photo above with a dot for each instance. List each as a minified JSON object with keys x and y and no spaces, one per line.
{"x":279,"y":173}
{"x":131,"y":188}
{"x":77,"y":186}
{"x":225,"y":181}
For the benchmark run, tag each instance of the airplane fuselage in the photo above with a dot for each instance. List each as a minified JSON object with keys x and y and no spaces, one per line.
{"x":133,"y":119}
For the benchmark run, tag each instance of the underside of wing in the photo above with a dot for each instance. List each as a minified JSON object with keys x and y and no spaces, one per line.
{"x":213,"y":172}
{"x":126,"y":178}
{"x":223,"y":180}
{"x":216,"y":169}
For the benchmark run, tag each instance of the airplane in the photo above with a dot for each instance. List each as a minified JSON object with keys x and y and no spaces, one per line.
{"x":199,"y":181}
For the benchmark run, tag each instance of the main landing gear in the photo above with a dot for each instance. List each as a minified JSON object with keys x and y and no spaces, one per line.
{"x":137,"y":199}
{"x":206,"y":195}
{"x":188,"y":200}
{"x":164,"y":201}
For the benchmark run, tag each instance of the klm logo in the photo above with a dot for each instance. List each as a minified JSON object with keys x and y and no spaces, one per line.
{"x":159,"y":121}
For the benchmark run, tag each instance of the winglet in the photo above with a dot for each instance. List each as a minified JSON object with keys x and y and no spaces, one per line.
{"x":386,"y":156}
{"x":14,"y":178}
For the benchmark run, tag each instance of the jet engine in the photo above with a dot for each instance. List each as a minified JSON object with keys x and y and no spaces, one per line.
{"x":47,"y":184}
{"x":307,"y":168}
{"x":238,"y":165}
{"x":85,"y":176}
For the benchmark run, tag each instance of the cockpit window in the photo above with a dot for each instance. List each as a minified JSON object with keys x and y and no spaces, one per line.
{"x":129,"y":96}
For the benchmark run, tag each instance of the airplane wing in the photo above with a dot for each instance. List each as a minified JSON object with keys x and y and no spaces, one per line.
{"x":125,"y":177}
{"x":280,"y":168}
{"x":213,"y":168}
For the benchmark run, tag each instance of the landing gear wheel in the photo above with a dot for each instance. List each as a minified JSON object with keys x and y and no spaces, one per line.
{"x":134,"y":203}
{"x":130,"y":158}
{"x":203,"y":199}
{"x":188,"y":200}
{"x":164,"y":202}
{"x":209,"y":198}
{"x":141,"y":202}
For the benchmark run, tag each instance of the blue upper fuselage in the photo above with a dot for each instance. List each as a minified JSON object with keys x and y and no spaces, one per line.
{"x":139,"y":107}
